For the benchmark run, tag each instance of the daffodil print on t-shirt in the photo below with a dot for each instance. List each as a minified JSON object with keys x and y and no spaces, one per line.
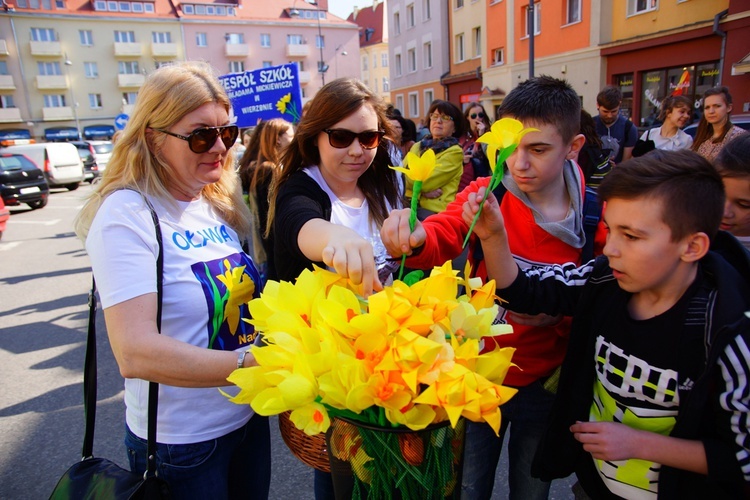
{"x":228,"y":284}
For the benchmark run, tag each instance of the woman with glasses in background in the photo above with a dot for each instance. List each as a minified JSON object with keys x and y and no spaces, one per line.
{"x":447,"y":125}
{"x":175,"y":158}
{"x":475,"y":160}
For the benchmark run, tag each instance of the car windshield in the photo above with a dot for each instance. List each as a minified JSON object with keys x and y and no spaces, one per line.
{"x":103,"y":148}
{"x":16,"y":162}
{"x":85,"y":154}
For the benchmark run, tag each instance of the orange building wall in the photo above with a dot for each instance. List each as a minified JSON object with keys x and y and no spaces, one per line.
{"x":554,"y":38}
{"x":497,"y":36}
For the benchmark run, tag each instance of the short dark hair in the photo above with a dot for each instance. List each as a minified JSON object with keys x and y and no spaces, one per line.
{"x":545,"y":100}
{"x":672,"y":102}
{"x":610,"y":97}
{"x":450,"y":109}
{"x":734,"y":157}
{"x":689,"y":187}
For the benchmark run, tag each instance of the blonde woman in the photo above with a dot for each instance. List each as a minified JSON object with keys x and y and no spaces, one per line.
{"x":175,"y":155}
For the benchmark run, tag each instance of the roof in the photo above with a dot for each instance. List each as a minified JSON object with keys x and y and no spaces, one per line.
{"x":369,"y":20}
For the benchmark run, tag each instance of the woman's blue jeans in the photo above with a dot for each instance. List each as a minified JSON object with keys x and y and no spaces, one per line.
{"x":237,"y":465}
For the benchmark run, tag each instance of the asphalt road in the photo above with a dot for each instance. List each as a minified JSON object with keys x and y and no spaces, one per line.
{"x":44,"y":282}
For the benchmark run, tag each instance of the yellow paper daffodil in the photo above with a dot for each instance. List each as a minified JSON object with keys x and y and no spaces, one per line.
{"x":408,"y":355}
{"x":418,"y":168}
{"x":504,"y":133}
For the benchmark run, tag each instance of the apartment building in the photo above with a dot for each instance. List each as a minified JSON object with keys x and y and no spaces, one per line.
{"x":70,"y":65}
{"x":467,"y":23}
{"x":663,"y":48}
{"x":373,"y":47}
{"x":566,"y":38}
{"x":419,"y":45}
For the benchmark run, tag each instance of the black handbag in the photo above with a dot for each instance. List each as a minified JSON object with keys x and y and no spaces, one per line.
{"x":644,"y":146}
{"x":99,"y":478}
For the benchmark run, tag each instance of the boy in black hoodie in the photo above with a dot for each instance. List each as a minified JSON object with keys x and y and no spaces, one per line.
{"x":654,"y":398}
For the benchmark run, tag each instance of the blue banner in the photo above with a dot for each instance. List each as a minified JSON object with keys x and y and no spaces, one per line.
{"x":263,"y":94}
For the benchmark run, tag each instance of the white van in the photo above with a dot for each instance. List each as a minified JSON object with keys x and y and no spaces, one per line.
{"x":59,"y":161}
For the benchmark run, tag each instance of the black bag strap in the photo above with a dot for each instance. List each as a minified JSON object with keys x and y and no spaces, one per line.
{"x":90,"y":363}
{"x":592,"y":212}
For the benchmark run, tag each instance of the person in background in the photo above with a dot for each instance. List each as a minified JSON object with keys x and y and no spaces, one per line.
{"x":675,"y":114}
{"x":733,"y":164}
{"x":175,"y":156}
{"x":257,"y":170}
{"x":593,"y":159}
{"x":333,"y":194}
{"x":446,"y":124}
{"x":715,"y":128}
{"x":475,"y":160}
{"x":408,"y":136}
{"x":617,"y":133}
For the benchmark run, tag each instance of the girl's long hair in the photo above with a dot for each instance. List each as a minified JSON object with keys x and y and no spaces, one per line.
{"x":705,"y":130}
{"x":334,"y":102}
{"x":169,"y":93}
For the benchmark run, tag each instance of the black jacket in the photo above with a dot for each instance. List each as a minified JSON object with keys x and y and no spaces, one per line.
{"x":298,"y":201}
{"x":573,"y":291}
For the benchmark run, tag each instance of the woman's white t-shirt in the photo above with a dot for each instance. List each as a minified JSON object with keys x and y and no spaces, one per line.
{"x":204,"y":301}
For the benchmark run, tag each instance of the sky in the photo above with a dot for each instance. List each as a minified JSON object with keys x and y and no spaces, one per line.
{"x":343,"y":8}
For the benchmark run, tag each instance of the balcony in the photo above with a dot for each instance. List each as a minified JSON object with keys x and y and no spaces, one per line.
{"x":57,"y":114}
{"x":127,"y":49}
{"x":51,"y":82}
{"x":3,"y":48}
{"x":7,"y":83}
{"x":46,"y":49}
{"x":130,"y":81}
{"x":164,"y":49}
{"x":236,"y":50}
{"x":304,"y":77}
{"x":10,"y":115}
{"x":299,"y":51}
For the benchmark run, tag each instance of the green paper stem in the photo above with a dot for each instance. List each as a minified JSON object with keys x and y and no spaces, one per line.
{"x":497,"y":177}
{"x":416,"y":192}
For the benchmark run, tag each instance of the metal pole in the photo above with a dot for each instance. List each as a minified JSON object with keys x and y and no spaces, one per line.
{"x":530,"y":23}
{"x":67,"y":64}
{"x":320,"y":40}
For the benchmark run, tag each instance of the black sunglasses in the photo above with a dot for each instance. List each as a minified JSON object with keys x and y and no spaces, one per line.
{"x":474,"y":115}
{"x":201,"y":140}
{"x":340,"y":138}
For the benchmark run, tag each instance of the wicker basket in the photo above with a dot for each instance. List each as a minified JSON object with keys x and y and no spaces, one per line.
{"x":310,"y":450}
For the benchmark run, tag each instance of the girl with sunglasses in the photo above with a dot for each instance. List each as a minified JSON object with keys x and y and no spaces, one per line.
{"x":475,"y":161}
{"x":335,"y":190}
{"x":174,"y":157}
{"x":333,"y":194}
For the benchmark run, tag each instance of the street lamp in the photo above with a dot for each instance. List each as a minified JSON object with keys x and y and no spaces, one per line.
{"x":336,"y":59}
{"x":69,"y":63}
{"x":322,"y":66}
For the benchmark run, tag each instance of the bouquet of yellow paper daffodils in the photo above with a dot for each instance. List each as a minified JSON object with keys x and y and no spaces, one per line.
{"x":407,"y":356}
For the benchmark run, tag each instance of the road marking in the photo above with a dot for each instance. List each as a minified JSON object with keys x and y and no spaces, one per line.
{"x":9,"y":246}
{"x":42,"y":222}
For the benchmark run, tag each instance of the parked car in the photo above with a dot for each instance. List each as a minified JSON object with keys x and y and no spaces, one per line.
{"x":59,"y":161}
{"x":21,"y":181}
{"x":4,"y":216}
{"x":739,"y":120}
{"x":90,"y":166}
{"x":102,"y":153}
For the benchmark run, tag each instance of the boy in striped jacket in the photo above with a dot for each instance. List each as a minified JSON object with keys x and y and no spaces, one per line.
{"x":653,"y":399}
